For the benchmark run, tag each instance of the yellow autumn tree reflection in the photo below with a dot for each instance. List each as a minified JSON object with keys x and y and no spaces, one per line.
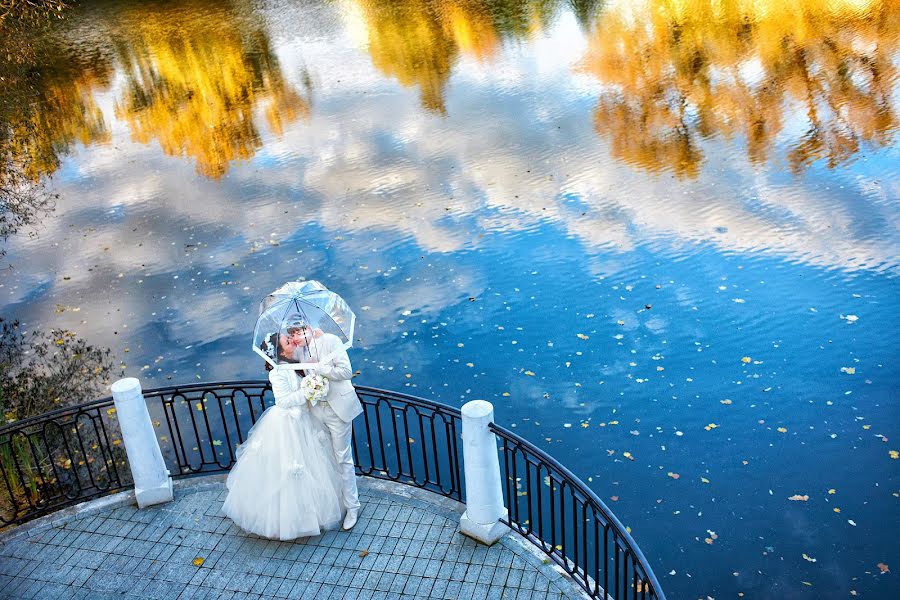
{"x":678,"y":71}
{"x":47,"y":103}
{"x":194,"y":85}
{"x":418,"y":41}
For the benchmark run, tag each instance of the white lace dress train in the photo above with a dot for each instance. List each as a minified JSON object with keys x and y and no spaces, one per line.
{"x":286,"y":482}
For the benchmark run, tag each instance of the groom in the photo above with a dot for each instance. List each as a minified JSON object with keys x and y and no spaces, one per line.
{"x":339,"y":407}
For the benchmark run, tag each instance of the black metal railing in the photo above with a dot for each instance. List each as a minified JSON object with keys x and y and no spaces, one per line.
{"x":60,"y":458}
{"x":71,"y":455}
{"x":398,"y":437}
{"x":559,"y":514}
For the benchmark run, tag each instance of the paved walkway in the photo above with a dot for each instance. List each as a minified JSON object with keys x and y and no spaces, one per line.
{"x":406,"y":545}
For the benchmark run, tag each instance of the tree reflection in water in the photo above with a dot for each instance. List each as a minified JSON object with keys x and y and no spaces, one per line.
{"x":679,"y":72}
{"x":418,"y":41}
{"x":194,"y":84}
{"x":200,"y":80}
{"x":46,"y":106}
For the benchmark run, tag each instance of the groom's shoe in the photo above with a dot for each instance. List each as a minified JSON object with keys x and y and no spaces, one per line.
{"x":351,"y":518}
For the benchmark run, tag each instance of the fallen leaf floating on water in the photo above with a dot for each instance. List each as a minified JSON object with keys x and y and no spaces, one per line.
{"x":848,"y":370}
{"x":894,"y":454}
{"x":799,"y":498}
{"x":710,"y":427}
{"x":725,"y":401}
{"x":883,"y":568}
{"x":198,"y":562}
{"x":704,"y":480}
{"x":782,"y":430}
{"x":581,"y":336}
{"x":364,"y":554}
{"x":832,"y":491}
{"x":809,"y":558}
{"x":529,"y":373}
{"x":852,"y":522}
{"x":746,"y":359}
{"x":628,"y":455}
{"x":673,"y":475}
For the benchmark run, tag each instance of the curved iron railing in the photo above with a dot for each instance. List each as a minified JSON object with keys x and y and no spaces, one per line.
{"x":58,"y":459}
{"x":74,"y":454}
{"x":559,"y":514}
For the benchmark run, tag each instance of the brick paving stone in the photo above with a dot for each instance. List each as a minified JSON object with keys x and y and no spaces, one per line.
{"x":411,"y":546}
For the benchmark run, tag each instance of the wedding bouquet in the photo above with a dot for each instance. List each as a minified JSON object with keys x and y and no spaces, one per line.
{"x":314,"y":388}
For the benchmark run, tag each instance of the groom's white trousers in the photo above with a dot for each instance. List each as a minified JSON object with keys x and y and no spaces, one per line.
{"x":341,"y":437}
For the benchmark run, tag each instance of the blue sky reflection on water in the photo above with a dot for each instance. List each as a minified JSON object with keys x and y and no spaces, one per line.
{"x":733,"y":327}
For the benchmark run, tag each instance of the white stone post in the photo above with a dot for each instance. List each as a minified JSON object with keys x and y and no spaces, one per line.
{"x":484,"y":496}
{"x":152,"y":484}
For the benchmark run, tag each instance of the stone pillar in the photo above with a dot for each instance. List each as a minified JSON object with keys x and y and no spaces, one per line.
{"x":484,"y":496}
{"x":152,"y":484}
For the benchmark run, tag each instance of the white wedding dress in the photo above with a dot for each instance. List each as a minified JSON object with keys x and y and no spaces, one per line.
{"x":286,"y":482}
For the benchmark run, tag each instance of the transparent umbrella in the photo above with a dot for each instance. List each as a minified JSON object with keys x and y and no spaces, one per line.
{"x":294,"y":320}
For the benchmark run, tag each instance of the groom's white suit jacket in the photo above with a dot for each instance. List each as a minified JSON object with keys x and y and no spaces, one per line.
{"x":341,"y":396}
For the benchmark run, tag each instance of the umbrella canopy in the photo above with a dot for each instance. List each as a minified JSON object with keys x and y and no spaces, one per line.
{"x":294,"y":324}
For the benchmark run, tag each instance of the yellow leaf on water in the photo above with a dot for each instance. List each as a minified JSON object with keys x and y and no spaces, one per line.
{"x":808,"y":558}
{"x":848,"y":370}
{"x":364,"y":554}
{"x":505,"y":394}
{"x":628,"y":455}
{"x":710,"y":427}
{"x":799,"y":498}
{"x":704,"y":480}
{"x":832,"y":491}
{"x":111,"y":411}
{"x":708,"y":540}
{"x":673,"y":475}
{"x":529,"y":373}
{"x":746,"y":359}
{"x":894,"y":454}
{"x":613,"y":422}
{"x":199,"y":406}
{"x":782,"y":430}
{"x":581,"y":336}
{"x":836,"y":509}
{"x":198,"y":562}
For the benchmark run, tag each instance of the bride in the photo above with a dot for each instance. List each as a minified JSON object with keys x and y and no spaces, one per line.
{"x":286,"y":483}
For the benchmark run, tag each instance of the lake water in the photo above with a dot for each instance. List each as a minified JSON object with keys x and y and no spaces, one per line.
{"x":661,"y":237}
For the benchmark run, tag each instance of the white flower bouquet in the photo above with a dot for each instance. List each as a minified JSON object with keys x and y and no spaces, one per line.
{"x":314,"y":388}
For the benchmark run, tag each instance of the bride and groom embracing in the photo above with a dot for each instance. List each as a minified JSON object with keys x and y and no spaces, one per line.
{"x":294,"y":475}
